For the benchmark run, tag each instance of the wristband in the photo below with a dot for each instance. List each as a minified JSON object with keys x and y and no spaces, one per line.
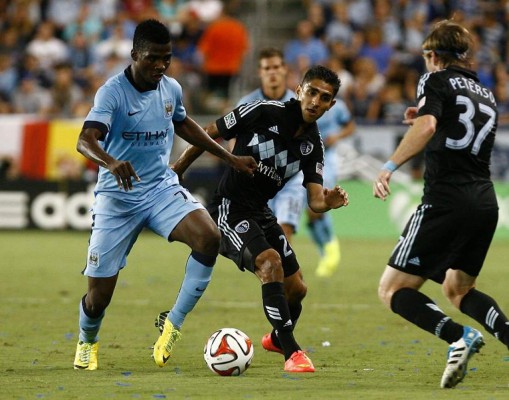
{"x":390,"y":166}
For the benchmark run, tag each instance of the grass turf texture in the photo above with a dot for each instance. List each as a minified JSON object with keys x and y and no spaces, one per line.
{"x":373,"y":354}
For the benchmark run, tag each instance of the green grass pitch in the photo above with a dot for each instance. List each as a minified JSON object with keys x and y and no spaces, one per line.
{"x":360,"y":350}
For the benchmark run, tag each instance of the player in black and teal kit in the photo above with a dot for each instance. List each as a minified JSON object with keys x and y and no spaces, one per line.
{"x":449,"y":235}
{"x":283,"y":138}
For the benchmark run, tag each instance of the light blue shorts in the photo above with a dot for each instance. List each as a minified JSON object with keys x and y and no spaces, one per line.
{"x":117,"y":225}
{"x":289,"y":202}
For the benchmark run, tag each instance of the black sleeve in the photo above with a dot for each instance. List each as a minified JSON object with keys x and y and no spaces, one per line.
{"x":430,"y":95}
{"x":313,"y":168}
{"x":240,"y":119}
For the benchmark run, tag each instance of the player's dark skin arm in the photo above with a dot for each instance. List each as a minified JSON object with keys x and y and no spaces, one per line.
{"x":191,"y":153}
{"x":88,"y":145}
{"x":193,"y":133}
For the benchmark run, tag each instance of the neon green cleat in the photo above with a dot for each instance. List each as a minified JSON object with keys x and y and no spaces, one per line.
{"x":86,"y":356}
{"x":330,"y":261}
{"x":165,"y":343}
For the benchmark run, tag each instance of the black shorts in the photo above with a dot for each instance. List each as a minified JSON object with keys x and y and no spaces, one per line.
{"x":438,"y":238}
{"x":243,"y":238}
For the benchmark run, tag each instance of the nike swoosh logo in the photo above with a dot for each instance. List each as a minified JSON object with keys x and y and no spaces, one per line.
{"x":132,"y":113}
{"x":165,"y":359}
{"x":199,"y":290}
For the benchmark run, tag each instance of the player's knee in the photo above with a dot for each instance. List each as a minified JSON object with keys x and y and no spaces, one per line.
{"x":208,"y":241}
{"x":295,"y":288}
{"x":96,"y":305}
{"x":297,"y":292}
{"x":269,"y":267}
{"x":454,"y":294}
{"x":385,"y":295}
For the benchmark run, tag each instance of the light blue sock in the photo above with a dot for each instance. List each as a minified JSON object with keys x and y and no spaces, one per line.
{"x":89,"y":327}
{"x":321,"y":231}
{"x":197,"y":277}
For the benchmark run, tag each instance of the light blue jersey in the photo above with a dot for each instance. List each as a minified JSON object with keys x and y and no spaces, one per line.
{"x":140,"y":130}
{"x":330,"y":124}
{"x":288,"y":204}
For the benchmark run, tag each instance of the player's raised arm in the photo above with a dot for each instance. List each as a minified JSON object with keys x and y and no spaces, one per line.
{"x":321,"y":199}
{"x":88,"y":145}
{"x":203,"y":140}
{"x":414,"y":141}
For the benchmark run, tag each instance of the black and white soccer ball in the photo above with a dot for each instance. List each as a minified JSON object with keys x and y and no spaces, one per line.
{"x":228,"y":352}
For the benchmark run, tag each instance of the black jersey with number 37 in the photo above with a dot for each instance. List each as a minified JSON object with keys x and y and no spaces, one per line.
{"x":266,"y":131}
{"x":459,"y":152}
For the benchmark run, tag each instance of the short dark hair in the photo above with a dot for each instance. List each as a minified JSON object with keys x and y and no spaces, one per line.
{"x":150,"y":31}
{"x":268,"y":52}
{"x":325,"y":74}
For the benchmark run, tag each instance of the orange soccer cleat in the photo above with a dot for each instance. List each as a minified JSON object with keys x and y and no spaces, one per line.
{"x":299,"y":362}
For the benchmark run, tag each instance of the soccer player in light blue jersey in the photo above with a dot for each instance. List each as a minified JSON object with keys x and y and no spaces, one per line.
{"x":334,"y":126}
{"x":129,"y":133}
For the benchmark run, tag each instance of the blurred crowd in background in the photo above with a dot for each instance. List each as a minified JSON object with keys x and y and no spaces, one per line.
{"x":54,"y":54}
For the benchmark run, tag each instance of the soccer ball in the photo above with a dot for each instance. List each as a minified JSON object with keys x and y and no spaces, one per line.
{"x":228,"y":352}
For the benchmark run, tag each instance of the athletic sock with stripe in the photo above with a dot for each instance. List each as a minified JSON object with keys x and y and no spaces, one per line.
{"x":277,"y":312}
{"x":486,"y":311}
{"x":420,"y":310}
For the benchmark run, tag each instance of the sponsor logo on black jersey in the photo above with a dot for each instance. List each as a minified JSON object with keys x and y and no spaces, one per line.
{"x":242,"y":227}
{"x":229,"y":120}
{"x":306,"y":148}
{"x":269,"y":171}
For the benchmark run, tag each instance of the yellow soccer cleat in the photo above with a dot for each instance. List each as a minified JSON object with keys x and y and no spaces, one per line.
{"x":330,"y":261}
{"x":86,"y":356}
{"x":165,"y":343}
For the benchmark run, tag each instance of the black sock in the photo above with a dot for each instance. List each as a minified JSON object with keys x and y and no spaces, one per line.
{"x":420,"y":310}
{"x":486,"y":311}
{"x":277,"y":312}
{"x":295,"y":310}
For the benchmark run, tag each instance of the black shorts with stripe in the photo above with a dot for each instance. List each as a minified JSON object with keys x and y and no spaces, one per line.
{"x":245,"y":235}
{"x":438,"y":238}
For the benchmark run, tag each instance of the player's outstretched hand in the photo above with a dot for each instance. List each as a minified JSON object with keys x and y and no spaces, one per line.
{"x":123,"y":171}
{"x":410,"y":115}
{"x":335,"y":197}
{"x":381,"y":187}
{"x":245,"y":164}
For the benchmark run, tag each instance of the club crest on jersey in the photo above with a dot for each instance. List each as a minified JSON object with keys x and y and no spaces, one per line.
{"x":229,"y":120}
{"x":242,"y":227}
{"x":168,"y":109}
{"x":93,"y":259}
{"x":306,"y":148}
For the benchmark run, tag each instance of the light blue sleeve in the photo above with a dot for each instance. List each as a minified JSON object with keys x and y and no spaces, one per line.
{"x":106,"y":102}
{"x":179,"y":114}
{"x":342,"y":113}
